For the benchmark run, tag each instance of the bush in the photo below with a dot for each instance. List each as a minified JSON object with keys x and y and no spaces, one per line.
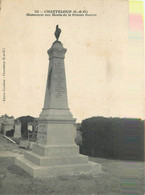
{"x":112,"y":138}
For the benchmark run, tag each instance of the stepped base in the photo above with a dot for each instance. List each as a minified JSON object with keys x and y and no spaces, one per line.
{"x":57,"y":170}
{"x":52,"y":161}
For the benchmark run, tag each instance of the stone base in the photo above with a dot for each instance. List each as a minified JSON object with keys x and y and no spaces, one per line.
{"x":55,"y":152}
{"x":52,"y":161}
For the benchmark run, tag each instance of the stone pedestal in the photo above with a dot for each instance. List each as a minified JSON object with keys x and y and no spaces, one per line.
{"x":55,"y":152}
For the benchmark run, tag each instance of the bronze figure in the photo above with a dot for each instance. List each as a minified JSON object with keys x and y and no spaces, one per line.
{"x":57,"y":32}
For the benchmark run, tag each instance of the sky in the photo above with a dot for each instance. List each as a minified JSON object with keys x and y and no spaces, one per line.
{"x":101,"y":79}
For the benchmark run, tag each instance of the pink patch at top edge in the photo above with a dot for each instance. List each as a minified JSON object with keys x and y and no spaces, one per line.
{"x":136,"y":22}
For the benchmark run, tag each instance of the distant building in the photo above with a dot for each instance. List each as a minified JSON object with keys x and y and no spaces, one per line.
{"x":28,"y":123}
{"x":6,"y":123}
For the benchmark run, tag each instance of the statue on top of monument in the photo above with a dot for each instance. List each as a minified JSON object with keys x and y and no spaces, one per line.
{"x":57,"y":32}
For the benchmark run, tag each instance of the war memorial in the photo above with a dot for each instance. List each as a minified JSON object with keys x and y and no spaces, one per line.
{"x":55,"y":152}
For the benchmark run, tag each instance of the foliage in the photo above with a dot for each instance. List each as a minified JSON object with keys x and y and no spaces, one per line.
{"x":113,"y":138}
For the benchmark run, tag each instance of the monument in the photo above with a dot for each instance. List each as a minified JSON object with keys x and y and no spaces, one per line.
{"x":17,"y":133}
{"x":55,"y":152}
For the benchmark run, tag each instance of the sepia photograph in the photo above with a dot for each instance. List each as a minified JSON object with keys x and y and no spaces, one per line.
{"x":72,"y":89}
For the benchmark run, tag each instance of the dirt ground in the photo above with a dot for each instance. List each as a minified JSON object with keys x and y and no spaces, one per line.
{"x":117,"y":177}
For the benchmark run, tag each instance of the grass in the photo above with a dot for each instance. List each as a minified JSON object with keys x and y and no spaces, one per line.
{"x":117,"y":177}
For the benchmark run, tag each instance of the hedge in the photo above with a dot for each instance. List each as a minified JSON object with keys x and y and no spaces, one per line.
{"x":117,"y":138}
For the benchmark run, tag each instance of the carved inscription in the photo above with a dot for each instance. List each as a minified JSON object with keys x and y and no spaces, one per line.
{"x":41,"y":133}
{"x":60,"y":87}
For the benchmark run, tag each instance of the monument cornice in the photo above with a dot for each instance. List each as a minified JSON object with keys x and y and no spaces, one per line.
{"x":57,"y":51}
{"x":58,"y":120}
